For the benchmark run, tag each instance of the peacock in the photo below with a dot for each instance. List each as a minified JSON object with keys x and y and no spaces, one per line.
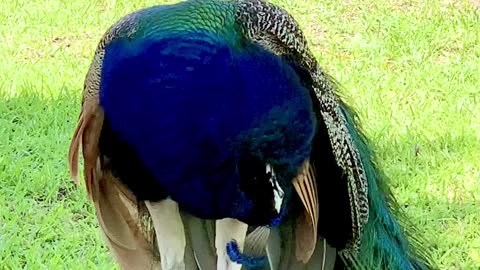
{"x":212,"y":139}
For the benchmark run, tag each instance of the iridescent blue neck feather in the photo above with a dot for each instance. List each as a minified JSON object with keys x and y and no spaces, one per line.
{"x":192,"y":106}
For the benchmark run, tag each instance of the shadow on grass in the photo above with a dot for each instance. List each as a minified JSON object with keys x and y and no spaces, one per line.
{"x":45,"y":221}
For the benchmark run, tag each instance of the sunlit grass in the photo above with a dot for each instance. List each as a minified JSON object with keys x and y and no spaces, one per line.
{"x":410,"y":68}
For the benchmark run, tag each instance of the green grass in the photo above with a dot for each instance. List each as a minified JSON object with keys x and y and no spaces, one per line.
{"x":411,"y":68}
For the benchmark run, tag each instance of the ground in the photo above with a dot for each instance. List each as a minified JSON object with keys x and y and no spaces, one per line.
{"x":411,"y":68}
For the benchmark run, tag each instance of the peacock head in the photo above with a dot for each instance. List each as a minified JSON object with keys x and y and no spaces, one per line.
{"x":268,"y":157}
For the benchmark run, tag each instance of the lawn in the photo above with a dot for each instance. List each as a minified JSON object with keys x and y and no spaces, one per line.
{"x":411,"y":68}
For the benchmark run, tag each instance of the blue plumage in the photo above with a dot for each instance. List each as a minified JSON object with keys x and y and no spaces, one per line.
{"x":193,"y":106}
{"x":221,"y":106}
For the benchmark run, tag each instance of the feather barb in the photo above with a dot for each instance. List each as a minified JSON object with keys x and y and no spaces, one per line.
{"x":86,"y":134}
{"x":306,"y":188}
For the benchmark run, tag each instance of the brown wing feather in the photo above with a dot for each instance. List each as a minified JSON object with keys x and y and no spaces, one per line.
{"x":118,"y":217}
{"x":74,"y":148}
{"x":87,"y":134}
{"x":115,"y":206}
{"x":90,"y":140}
{"x":306,"y":232}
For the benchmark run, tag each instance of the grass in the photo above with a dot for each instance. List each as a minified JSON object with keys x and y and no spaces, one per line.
{"x":410,"y":67}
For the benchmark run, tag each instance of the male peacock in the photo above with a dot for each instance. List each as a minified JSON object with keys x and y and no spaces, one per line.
{"x":210,"y":132}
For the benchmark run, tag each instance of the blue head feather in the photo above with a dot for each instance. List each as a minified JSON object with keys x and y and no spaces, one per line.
{"x":192,"y":105}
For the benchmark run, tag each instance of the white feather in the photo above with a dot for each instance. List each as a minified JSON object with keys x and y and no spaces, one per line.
{"x":226,"y":230}
{"x":170,"y":232}
{"x":277,"y":190}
